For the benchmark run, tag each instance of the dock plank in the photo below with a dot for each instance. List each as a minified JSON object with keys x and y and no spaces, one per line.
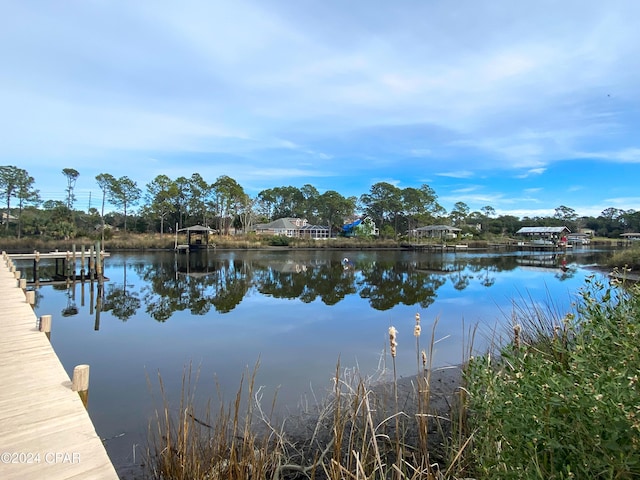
{"x":45,"y":431}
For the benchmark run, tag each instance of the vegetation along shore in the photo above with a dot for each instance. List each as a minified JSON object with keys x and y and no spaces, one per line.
{"x":558,"y":400}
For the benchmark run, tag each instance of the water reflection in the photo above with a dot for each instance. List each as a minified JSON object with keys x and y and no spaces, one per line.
{"x":202,"y":281}
{"x":295,"y":311}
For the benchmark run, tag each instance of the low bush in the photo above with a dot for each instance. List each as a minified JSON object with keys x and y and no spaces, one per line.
{"x":570,"y":409}
{"x":629,"y":258}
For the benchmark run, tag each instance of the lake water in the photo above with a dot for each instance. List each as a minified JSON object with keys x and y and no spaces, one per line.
{"x":296,"y":312}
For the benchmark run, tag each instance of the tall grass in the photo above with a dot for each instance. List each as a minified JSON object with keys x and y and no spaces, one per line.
{"x":364,"y":429}
{"x":187,"y":443}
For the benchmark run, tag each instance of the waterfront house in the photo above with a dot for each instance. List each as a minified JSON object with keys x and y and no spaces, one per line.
{"x":292,"y":228}
{"x":364,"y":226}
{"x":442,"y":232}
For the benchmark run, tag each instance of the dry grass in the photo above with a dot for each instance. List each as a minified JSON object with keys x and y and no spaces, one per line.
{"x":364,"y":429}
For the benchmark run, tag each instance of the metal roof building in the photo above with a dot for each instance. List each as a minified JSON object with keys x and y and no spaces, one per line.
{"x":543,"y":231}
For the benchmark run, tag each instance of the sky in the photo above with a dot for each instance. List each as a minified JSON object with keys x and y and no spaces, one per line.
{"x":523,"y":106}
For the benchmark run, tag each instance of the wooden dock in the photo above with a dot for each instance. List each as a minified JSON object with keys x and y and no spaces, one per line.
{"x":92,"y":259}
{"x":439,"y":247}
{"x":45,"y":430}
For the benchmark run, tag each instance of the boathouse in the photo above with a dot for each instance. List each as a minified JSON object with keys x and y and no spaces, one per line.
{"x":197,"y":238}
{"x":544,"y":235}
{"x":630,"y":237}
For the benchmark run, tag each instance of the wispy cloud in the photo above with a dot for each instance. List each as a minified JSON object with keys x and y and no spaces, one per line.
{"x":457,"y":174}
{"x":531,"y":172}
{"x":625,"y":155}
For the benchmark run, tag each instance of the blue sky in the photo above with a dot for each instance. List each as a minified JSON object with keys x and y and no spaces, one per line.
{"x":523,"y":106}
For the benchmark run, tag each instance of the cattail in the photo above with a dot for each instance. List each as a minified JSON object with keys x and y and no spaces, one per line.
{"x":392,"y":340}
{"x":417,"y":329}
{"x":516,"y":335}
{"x":424,"y":359}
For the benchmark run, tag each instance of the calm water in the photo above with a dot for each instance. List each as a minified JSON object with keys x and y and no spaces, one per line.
{"x":296,"y":312}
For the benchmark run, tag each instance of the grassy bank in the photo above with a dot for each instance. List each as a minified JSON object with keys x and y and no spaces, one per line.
{"x":122,"y":241}
{"x":629,"y":258}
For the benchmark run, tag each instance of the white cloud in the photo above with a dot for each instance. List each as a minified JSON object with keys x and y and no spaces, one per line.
{"x":457,"y":174}
{"x":625,"y":155}
{"x":532,"y":171}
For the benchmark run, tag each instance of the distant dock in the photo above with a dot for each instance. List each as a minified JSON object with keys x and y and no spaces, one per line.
{"x":45,"y":430}
{"x":439,"y":247}
{"x":91,"y":262}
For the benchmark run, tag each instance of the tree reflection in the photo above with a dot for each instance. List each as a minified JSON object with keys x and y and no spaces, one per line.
{"x":387,"y":284}
{"x":196,"y":284}
{"x":309,"y":281}
{"x":201,"y":282}
{"x":122,"y":304}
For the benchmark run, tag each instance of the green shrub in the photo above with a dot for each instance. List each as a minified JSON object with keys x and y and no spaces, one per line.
{"x":629,"y":257}
{"x":570,"y":410}
{"x":279,"y":241}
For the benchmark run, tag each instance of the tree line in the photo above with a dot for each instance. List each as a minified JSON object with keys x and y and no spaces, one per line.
{"x":164,"y":204}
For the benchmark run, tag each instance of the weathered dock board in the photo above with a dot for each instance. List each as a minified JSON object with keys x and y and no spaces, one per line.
{"x":45,"y":430}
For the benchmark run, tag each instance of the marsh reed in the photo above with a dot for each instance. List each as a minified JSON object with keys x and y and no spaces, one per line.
{"x":365,"y":428}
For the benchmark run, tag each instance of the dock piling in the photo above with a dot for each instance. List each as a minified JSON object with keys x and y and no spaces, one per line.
{"x":30,"y":297}
{"x":80,"y":382}
{"x":45,"y":325}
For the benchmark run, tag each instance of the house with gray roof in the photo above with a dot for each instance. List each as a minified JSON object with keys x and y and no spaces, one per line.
{"x":436,"y":231}
{"x":292,"y":228}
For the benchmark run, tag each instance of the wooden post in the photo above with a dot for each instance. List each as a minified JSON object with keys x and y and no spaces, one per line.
{"x":67,"y":271}
{"x":30,"y":297}
{"x":91,"y":264}
{"x":82,"y":262}
{"x":45,"y":325}
{"x":17,"y":274}
{"x":73,"y":271}
{"x":23,"y":283}
{"x":80,"y":383}
{"x":99,"y":258}
{"x":36,"y":266}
